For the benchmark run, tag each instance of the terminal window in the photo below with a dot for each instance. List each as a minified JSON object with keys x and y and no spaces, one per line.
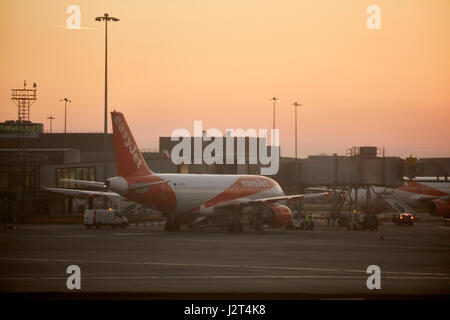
{"x":78,"y":173}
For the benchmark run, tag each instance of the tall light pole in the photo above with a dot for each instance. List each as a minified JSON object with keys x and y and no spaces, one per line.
{"x":296,"y":105}
{"x":274,"y":100}
{"x":51,"y":118}
{"x":106,"y":18}
{"x":65,"y":100}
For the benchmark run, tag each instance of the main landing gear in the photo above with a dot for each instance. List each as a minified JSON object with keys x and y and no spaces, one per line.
{"x":171,"y":224}
{"x":236,"y":225}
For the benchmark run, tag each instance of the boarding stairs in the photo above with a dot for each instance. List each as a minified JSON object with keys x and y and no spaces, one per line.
{"x":338,"y":203}
{"x":398,"y":205}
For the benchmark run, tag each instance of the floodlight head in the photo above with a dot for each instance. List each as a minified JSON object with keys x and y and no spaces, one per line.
{"x":107,"y":18}
{"x":274,"y":99}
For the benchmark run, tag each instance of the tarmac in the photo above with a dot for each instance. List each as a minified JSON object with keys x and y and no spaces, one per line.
{"x":325,"y":262}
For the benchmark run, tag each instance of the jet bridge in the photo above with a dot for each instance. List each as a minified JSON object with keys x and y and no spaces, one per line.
{"x":360,"y":170}
{"x":352,"y":171}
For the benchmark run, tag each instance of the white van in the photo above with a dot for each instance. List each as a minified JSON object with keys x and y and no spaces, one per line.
{"x":99,"y":218}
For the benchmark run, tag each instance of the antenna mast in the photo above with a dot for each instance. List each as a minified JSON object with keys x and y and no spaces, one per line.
{"x":24,"y":98}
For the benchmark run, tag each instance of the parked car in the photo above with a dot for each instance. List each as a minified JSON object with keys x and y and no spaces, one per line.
{"x":100,"y":218}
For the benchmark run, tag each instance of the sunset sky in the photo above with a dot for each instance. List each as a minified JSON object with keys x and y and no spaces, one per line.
{"x":175,"y":61}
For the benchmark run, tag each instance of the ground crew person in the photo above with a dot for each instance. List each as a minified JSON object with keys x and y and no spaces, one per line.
{"x":311,"y":221}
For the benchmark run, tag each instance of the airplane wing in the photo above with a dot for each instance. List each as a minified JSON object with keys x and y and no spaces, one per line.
{"x":146,"y":184}
{"x":82,"y":193}
{"x":265,"y":201}
{"x":101,"y":185}
{"x":287,"y":198}
{"x":328,"y":190}
{"x":91,"y":184}
{"x":320,"y":189}
{"x":92,"y":193}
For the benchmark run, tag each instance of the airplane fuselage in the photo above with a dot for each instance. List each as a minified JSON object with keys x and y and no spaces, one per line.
{"x":200,"y":193}
{"x":413,"y":193}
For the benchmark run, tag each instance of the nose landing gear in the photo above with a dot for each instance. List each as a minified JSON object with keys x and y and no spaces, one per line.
{"x":172,"y":224}
{"x":236,"y":225}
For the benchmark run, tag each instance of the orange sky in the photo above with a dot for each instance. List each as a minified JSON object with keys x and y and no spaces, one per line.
{"x":173,"y":62}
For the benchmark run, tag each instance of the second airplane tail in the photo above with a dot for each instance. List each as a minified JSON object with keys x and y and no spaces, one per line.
{"x":129,"y":159}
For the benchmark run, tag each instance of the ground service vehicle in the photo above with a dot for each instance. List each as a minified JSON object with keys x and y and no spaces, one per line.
{"x":100,"y":218}
{"x":403,"y":218}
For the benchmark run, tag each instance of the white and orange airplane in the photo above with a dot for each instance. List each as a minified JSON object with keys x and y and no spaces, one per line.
{"x":419,"y":192}
{"x":182,"y":198}
{"x":416,"y":193}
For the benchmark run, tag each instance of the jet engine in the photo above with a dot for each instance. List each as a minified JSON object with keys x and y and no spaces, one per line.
{"x":278,"y":215}
{"x":117,"y":184}
{"x":439,"y":208}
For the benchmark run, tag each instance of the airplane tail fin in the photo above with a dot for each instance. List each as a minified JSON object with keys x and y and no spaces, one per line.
{"x":129,"y":159}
